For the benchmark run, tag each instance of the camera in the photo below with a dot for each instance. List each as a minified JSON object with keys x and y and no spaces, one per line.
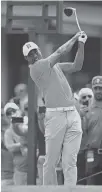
{"x":17,"y":120}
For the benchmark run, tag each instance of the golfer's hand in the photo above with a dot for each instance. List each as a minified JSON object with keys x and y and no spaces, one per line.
{"x":83,"y":37}
{"x":77,"y":35}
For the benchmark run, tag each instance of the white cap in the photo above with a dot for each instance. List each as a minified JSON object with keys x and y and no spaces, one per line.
{"x":10,"y":106}
{"x":27,"y":47}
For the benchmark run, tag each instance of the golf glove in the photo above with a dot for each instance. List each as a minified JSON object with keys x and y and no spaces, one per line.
{"x":83,"y":37}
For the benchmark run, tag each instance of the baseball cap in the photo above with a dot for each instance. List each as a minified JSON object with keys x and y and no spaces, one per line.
{"x":97,"y":81}
{"x":27,"y":47}
{"x":10,"y":106}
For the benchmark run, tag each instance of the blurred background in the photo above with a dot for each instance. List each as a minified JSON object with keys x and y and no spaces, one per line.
{"x":14,"y":69}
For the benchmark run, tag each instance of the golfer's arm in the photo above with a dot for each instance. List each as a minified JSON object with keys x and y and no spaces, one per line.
{"x":53,"y":58}
{"x":78,"y":62}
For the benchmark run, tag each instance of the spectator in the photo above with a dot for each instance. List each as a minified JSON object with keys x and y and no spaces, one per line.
{"x":12,"y":143}
{"x":85,"y":100}
{"x":94,"y":135}
{"x":21,"y":129}
{"x":6,"y":157}
{"x":21,"y":94}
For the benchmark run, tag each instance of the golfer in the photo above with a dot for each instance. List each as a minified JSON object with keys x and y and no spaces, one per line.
{"x":63,"y":131}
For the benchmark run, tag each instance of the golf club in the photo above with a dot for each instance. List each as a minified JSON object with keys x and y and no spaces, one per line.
{"x":69,"y":11}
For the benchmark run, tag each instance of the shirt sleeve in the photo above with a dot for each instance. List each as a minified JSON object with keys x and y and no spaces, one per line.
{"x":40,"y":72}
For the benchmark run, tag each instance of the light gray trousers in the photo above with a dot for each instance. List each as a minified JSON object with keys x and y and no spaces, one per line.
{"x":63,"y":135}
{"x":20,"y":178}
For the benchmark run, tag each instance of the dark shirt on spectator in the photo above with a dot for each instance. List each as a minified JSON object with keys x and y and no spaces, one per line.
{"x":94,"y":126}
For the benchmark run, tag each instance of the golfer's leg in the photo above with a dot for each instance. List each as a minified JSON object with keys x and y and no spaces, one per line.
{"x":53,"y":142}
{"x":71,"y":148}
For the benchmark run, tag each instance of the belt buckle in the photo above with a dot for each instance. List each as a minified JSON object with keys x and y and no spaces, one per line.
{"x":100,"y":151}
{"x":90,"y":156}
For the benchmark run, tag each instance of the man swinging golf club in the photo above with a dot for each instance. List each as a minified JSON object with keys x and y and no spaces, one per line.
{"x":63,"y":131}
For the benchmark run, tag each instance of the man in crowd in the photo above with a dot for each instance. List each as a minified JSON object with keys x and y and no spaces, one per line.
{"x":21,"y":129}
{"x":12,"y":143}
{"x":6,"y":157}
{"x":62,"y":121}
{"x":94,"y":135}
{"x":20,"y":95}
{"x":85,"y":99}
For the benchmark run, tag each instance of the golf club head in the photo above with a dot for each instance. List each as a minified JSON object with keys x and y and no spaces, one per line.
{"x":69,"y":11}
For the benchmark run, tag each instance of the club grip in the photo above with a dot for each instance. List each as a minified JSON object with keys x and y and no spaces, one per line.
{"x":83,"y":36}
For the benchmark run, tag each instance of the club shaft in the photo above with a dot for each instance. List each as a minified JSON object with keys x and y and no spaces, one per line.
{"x":77,"y":22}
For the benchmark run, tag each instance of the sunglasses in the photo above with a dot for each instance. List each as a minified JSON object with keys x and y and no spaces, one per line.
{"x":87,"y":96}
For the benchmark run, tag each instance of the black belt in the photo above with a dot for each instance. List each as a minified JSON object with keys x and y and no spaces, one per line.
{"x":98,"y":151}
